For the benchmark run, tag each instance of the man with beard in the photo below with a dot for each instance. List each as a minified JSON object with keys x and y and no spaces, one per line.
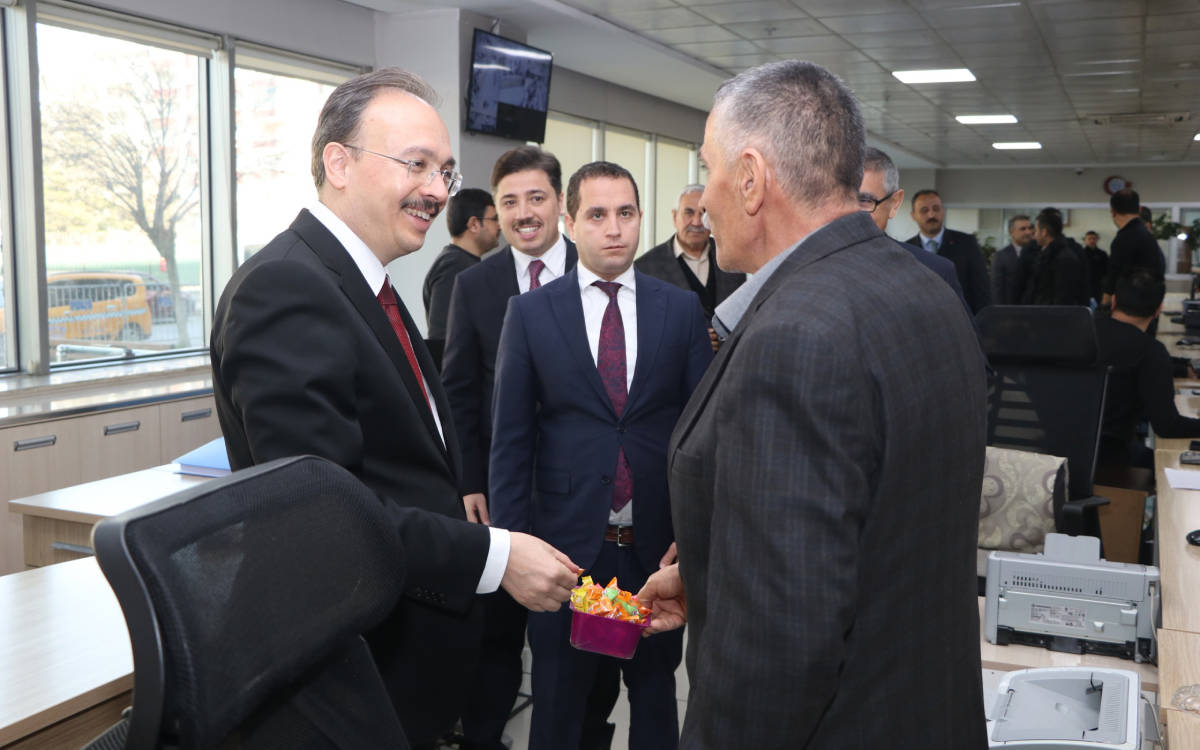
{"x":959,"y":247}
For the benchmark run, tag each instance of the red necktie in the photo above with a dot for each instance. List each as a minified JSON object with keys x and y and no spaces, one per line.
{"x":391,"y":307}
{"x":610,"y":361}
{"x":535,"y":270}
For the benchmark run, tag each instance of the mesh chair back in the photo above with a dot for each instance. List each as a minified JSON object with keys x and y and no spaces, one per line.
{"x":239,"y":587}
{"x":1045,"y":390}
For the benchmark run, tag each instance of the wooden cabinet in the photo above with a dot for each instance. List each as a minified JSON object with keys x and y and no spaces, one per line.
{"x":186,"y":424}
{"x":33,"y":458}
{"x":118,"y":442}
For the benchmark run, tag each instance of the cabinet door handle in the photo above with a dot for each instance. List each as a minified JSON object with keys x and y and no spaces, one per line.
{"x":29,"y":444}
{"x":188,"y":416}
{"x":67,"y":547}
{"x":117,"y":429}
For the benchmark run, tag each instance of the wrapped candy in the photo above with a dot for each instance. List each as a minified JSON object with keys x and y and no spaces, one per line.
{"x":607,"y":601}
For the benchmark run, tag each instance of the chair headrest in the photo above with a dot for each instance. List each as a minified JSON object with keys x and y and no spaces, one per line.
{"x":1062,"y":335}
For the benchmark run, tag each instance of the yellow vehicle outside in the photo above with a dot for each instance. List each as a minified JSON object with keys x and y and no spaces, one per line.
{"x":97,"y":306}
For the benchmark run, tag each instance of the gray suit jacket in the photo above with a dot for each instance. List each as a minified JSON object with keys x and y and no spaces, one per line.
{"x":660,"y":262}
{"x":825,"y":480}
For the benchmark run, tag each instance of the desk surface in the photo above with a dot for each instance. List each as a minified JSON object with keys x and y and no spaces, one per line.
{"x":63,"y":646}
{"x":93,"y":501}
{"x":1013,"y":657}
{"x":1178,"y":513}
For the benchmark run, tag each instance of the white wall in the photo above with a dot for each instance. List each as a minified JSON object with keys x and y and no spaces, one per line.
{"x":593,"y":99}
{"x":1050,"y":186}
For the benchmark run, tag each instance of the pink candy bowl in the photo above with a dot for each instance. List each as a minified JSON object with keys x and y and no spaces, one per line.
{"x":604,"y":635}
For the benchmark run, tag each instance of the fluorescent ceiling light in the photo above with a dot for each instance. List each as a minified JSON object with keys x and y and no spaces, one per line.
{"x":949,"y":75}
{"x":1196,"y":137}
{"x":1016,"y":145}
{"x":1112,"y":62}
{"x":986,"y":119}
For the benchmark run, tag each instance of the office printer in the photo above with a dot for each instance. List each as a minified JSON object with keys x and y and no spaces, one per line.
{"x":1057,"y":708}
{"x":1068,"y":599}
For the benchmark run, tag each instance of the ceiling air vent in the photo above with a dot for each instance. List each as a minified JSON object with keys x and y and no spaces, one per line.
{"x":1138,"y":118}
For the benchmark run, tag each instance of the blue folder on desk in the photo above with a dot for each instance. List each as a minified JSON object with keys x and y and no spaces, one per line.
{"x":209,"y":460}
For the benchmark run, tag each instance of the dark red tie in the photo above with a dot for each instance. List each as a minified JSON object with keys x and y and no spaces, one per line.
{"x":391,"y":307}
{"x":610,"y":360}
{"x":535,"y":269}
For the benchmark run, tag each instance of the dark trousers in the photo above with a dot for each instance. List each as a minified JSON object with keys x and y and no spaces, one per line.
{"x":491,"y":695}
{"x":563,"y":676}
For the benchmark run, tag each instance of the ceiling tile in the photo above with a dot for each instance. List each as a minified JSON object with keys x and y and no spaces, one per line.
{"x":691,"y":34}
{"x":1082,"y":10}
{"x":711,"y":49}
{"x":1095,"y":27}
{"x":804,"y":44}
{"x":890,"y":23}
{"x":777,"y":28}
{"x":1010,"y":18}
{"x":1173,"y":22}
{"x":608,"y":7}
{"x":665,"y":18}
{"x":759,"y":10}
{"x":877,"y":40}
{"x":730,"y":62}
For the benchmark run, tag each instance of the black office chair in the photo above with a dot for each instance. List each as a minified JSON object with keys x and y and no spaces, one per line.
{"x":1046,"y":395}
{"x":245,"y":598}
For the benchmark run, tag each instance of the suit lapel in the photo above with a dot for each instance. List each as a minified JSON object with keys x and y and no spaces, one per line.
{"x":651,"y":313}
{"x":572,"y":256}
{"x":567,"y":306}
{"x":365,"y":301}
{"x":504,"y":274}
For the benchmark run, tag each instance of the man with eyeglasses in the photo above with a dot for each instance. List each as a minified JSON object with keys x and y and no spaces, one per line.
{"x":474,"y":230}
{"x":881,"y":196}
{"x":313,"y":353}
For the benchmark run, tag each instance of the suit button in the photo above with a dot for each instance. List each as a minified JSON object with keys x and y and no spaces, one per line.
{"x":605,"y":479}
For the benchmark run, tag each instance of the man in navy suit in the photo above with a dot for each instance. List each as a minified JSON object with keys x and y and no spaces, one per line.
{"x":527,"y":184}
{"x":593,"y":371}
{"x":959,"y":247}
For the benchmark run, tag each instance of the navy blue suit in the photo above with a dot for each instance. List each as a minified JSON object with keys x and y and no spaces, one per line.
{"x":555,"y":441}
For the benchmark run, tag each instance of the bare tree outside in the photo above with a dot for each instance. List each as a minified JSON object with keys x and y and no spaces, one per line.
{"x":133,"y":154}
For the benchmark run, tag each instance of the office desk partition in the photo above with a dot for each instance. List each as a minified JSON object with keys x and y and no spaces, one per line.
{"x":66,"y":668}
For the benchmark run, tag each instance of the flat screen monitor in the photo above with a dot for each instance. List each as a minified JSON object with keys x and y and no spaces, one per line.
{"x":510,"y":88}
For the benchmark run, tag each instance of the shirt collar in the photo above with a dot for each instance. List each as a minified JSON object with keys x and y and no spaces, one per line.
{"x":367,"y":262}
{"x":680,"y":251}
{"x":586,"y":277}
{"x":935,"y":238}
{"x":730,"y":312}
{"x":555,"y":258}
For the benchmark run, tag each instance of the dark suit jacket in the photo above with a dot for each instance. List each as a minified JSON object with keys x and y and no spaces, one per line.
{"x":439,"y":283}
{"x":963,"y":250}
{"x":477,"y":309}
{"x":661,"y":263}
{"x":1059,"y":277}
{"x":1133,"y":247}
{"x":305,"y":362}
{"x":556,"y":435}
{"x":1007,"y":285}
{"x":938,"y":265}
{"x":824,"y":483}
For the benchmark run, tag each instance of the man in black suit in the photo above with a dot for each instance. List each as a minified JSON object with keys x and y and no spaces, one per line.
{"x":689,"y":259}
{"x":820,"y":614}
{"x":1059,"y":273}
{"x":527,"y":183}
{"x":474,"y":229}
{"x":313,"y":353}
{"x":1133,"y":246}
{"x":1008,"y":277}
{"x":1097,"y":261}
{"x":959,"y":247}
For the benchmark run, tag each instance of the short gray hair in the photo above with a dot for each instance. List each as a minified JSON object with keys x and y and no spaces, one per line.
{"x":1013,"y":220}
{"x":879,"y":161}
{"x":342,"y":114}
{"x":689,"y":189}
{"x":804,"y":121}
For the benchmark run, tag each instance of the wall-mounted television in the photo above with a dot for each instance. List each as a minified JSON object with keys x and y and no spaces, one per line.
{"x":510,"y":88}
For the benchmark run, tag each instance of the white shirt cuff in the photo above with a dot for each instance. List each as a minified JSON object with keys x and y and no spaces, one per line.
{"x":497,"y":561}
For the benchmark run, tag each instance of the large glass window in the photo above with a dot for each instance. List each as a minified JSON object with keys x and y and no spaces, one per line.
{"x":121,"y":143}
{"x":671,"y":176}
{"x":275,"y":115}
{"x":570,"y":141}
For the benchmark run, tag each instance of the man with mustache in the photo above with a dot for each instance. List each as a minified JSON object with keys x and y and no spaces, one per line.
{"x":689,"y":259}
{"x":593,"y":371}
{"x":314,"y":353}
{"x":959,"y":247}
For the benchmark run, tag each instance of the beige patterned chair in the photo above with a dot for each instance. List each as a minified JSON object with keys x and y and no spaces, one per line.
{"x":1022,"y":495}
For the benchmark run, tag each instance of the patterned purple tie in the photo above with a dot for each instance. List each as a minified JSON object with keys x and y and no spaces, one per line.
{"x":535,"y":270}
{"x":610,"y":360}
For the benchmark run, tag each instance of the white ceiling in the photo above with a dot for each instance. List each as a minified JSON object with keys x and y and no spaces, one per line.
{"x":1070,"y":70}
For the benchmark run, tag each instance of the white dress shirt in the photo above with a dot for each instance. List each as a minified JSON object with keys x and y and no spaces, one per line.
{"x":555,"y":260}
{"x":935,"y":238}
{"x":595,"y":302}
{"x":698,"y":266}
{"x":375,"y":274}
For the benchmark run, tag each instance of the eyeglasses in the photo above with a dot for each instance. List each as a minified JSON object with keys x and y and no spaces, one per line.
{"x":452,"y":178}
{"x":869,"y":204}
{"x":490,"y":218}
